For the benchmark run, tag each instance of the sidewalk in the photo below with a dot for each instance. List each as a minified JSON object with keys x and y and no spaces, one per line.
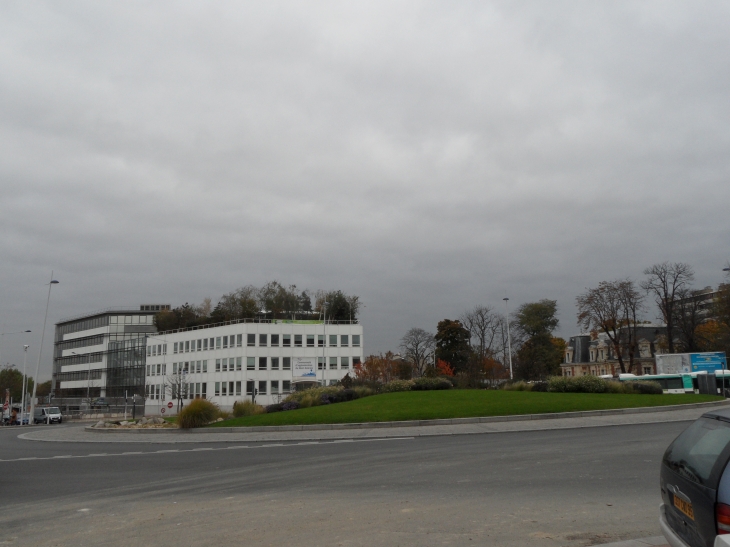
{"x":509,"y":424}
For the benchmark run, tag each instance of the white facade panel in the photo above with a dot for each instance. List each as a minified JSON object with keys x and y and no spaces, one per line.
{"x":232,"y":356}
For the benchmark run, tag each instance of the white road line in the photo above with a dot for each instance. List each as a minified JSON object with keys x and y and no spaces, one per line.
{"x":271,"y":445}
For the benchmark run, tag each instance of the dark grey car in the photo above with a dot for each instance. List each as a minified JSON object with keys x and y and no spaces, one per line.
{"x":695,"y":483}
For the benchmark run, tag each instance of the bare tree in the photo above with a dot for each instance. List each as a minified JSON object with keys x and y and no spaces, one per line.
{"x":177,"y":386}
{"x":666,"y":281}
{"x":485,"y":326}
{"x":418,"y":346}
{"x":612,"y":308}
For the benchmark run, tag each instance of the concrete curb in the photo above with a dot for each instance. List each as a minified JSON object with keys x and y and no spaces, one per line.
{"x":412,"y":423}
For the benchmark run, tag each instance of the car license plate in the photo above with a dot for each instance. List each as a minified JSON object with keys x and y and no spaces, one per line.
{"x":684,"y":506}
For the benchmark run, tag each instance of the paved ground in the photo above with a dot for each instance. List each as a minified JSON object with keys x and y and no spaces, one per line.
{"x":572,"y":486}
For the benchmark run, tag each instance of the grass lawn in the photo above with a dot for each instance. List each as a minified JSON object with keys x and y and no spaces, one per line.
{"x":457,"y":403}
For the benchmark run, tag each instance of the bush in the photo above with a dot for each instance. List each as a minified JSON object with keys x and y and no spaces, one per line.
{"x":197,"y":413}
{"x":397,"y":385}
{"x":291,"y":405}
{"x":276,"y":407}
{"x":517,"y":386}
{"x":577,"y":384}
{"x":247,"y":408}
{"x":426,"y":384}
{"x":541,"y":387}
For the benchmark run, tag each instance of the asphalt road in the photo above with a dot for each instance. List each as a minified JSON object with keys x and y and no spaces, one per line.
{"x":564,"y":487}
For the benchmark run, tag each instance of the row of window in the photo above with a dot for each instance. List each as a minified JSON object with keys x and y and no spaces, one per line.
{"x":78,"y":375}
{"x":194,"y":390}
{"x":80,"y":343}
{"x":82,"y":359}
{"x":156,"y":349}
{"x":231,"y":364}
{"x":236,"y":341}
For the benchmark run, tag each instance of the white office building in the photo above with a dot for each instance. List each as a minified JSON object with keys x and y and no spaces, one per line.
{"x":265,"y":358}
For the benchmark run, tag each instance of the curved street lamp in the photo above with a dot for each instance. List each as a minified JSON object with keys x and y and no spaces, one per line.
{"x":509,"y":340}
{"x":40,"y":350}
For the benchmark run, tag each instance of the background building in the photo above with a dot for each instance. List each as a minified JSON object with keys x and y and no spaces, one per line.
{"x":102,"y":354}
{"x":226,"y":362}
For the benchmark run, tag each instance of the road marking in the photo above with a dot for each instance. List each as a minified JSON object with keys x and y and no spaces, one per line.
{"x":237,"y":447}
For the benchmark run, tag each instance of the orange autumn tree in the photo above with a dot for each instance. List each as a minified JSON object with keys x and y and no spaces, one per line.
{"x":378,"y":368}
{"x":443,"y":368}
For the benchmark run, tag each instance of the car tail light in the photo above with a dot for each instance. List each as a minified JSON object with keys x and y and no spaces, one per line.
{"x":722,"y":515}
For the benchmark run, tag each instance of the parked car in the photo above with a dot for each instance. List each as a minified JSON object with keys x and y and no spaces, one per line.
{"x":695,"y":484}
{"x":47,"y":414}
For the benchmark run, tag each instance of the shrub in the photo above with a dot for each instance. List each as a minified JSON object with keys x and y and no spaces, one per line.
{"x":276,"y":407}
{"x":577,"y":384}
{"x":517,"y":386}
{"x":247,"y":408}
{"x":425,"y":384}
{"x":540,"y":386}
{"x":291,"y":405}
{"x":614,"y":386}
{"x":197,"y":413}
{"x":397,"y":385}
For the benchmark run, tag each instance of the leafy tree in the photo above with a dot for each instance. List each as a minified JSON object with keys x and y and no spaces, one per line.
{"x":452,"y":343}
{"x":242,"y":303}
{"x":443,"y":368}
{"x":667,"y":282}
{"x":11,"y":378}
{"x":378,"y":369}
{"x":537,"y":357}
{"x":340,"y":306}
{"x":417,"y":346}
{"x":43,"y":390}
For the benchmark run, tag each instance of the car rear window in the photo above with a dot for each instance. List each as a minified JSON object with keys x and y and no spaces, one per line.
{"x":695,"y":452}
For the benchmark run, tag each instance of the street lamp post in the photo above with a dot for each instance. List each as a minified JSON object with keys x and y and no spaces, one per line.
{"x":25,"y":379}
{"x":509,"y":338}
{"x":324,"y":345}
{"x":40,"y":349}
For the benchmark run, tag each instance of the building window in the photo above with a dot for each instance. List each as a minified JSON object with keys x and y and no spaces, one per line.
{"x":320,"y":363}
{"x":249,"y":387}
{"x":287,"y":340}
{"x":205,"y":344}
{"x":355,"y":340}
{"x":274,"y":387}
{"x":205,"y":366}
{"x":320,"y":340}
{"x":274,"y":363}
{"x":344,"y":362}
{"x":333,"y":340}
{"x":262,"y":363}
{"x":263,"y":340}
{"x":250,"y":340}
{"x":200,"y":345}
{"x":344,"y":340}
{"x":238,"y":388}
{"x":239,"y":340}
{"x":174,"y":348}
{"x":355,"y":361}
{"x":239,"y":363}
{"x":286,"y":386}
{"x":224,"y":389}
{"x":262,"y":387}
{"x":310,"y":340}
{"x":217,"y":365}
{"x":333,"y":363}
{"x":187,"y":346}
{"x":274,"y":340}
{"x":218,"y":342}
{"x":647,"y":370}
{"x":286,"y":363}
{"x":217,"y":389}
{"x":298,"y":340}
{"x":225,"y":342}
{"x":250,"y":363}
{"x":210,"y":345}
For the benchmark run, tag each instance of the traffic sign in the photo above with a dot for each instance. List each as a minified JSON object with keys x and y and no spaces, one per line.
{"x":162,"y":410}
{"x":169,"y":405}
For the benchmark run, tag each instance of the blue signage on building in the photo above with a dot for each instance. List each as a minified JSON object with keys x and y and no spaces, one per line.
{"x":708,"y":361}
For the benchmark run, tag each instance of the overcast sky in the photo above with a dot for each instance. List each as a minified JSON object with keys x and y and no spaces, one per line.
{"x":425,"y":156}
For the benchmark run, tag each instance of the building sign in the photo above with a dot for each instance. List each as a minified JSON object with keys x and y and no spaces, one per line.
{"x":685,"y":363}
{"x":304,"y":368}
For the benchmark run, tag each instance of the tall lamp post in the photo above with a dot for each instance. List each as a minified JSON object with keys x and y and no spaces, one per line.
{"x":509,"y":338}
{"x":25,"y":379}
{"x":324,"y":345}
{"x":40,"y":349}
